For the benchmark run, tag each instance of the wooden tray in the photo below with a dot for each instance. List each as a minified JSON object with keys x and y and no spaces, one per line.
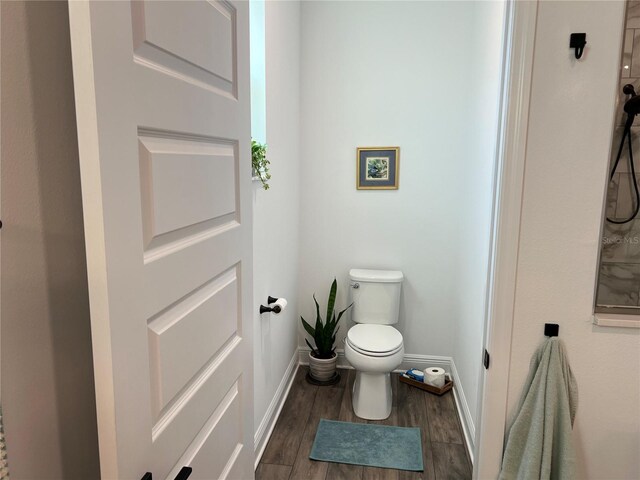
{"x":448,"y":385}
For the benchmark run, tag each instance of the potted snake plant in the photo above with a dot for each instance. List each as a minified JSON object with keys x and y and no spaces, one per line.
{"x":323,"y":357}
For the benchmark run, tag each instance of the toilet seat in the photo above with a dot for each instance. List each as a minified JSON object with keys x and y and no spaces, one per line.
{"x":374,"y":340}
{"x":374,"y":354}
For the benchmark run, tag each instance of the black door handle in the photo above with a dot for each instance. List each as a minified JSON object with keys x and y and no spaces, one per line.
{"x":183,"y":474}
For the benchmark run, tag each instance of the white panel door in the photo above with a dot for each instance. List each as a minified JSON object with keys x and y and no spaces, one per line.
{"x":162,"y":99}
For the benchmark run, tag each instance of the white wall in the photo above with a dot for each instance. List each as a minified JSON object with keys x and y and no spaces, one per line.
{"x":374,"y":74}
{"x":276,"y":211}
{"x":47,"y":375}
{"x":568,"y":145}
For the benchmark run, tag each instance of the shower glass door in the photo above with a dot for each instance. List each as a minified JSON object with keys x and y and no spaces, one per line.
{"x":618,"y":289}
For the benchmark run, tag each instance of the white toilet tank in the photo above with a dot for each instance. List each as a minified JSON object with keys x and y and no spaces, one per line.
{"x":375,"y":295}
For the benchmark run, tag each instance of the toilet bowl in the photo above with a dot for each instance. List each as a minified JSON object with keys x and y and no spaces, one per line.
{"x":372,"y":346}
{"x":374,"y":351}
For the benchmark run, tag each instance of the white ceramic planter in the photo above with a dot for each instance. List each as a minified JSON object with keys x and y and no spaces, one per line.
{"x":322,"y":369}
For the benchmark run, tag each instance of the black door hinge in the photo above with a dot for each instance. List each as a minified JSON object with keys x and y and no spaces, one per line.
{"x":183,"y":474}
{"x":486,"y":359}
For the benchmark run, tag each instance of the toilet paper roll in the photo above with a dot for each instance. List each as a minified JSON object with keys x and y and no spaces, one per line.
{"x":434,"y":377}
{"x":282,"y":303}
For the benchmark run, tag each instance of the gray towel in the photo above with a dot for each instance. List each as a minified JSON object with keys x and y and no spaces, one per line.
{"x":539,"y":443}
{"x":4,"y":464}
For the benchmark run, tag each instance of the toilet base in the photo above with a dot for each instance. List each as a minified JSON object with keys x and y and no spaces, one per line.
{"x":372,"y":396}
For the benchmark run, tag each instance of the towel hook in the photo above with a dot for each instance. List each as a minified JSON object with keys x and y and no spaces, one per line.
{"x":577,"y":41}
{"x":551,"y":329}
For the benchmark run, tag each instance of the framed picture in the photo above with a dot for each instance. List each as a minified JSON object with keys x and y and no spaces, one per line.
{"x":377,"y":168}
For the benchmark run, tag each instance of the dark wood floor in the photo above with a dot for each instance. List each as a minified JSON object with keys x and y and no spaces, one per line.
{"x":287,"y":453}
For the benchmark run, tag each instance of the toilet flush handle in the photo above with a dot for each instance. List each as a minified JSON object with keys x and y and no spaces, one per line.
{"x":355,"y":285}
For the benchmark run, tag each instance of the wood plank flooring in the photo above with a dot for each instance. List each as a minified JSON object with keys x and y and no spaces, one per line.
{"x":286,"y":456}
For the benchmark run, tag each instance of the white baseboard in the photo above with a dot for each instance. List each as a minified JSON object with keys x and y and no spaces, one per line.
{"x":468,"y":428}
{"x":262,"y":435}
{"x":421,"y":362}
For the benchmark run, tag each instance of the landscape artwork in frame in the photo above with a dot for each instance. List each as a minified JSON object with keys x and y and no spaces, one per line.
{"x":377,"y":168}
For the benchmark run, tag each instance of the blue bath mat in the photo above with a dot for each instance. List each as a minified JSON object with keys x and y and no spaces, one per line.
{"x":368,"y":444}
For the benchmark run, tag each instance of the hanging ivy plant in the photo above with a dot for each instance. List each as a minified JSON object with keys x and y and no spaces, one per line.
{"x":260,"y":163}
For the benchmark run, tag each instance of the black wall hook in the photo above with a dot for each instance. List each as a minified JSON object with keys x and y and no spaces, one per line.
{"x":577,"y":41}
{"x":551,"y":329}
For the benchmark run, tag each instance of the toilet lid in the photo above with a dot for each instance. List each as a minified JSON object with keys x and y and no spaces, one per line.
{"x":374,"y":338}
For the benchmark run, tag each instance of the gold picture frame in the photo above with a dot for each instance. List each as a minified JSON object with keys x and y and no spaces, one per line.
{"x":377,"y":168}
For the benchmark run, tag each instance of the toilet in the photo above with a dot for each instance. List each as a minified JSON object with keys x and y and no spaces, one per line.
{"x":373,"y":346}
